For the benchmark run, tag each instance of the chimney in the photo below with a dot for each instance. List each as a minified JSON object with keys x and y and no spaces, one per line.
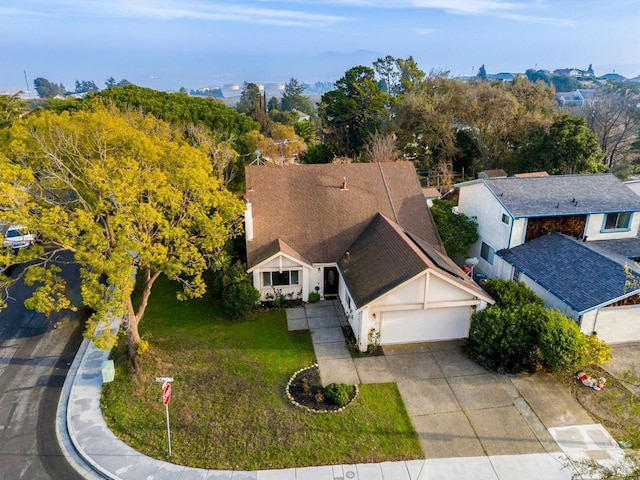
{"x":344,"y":184}
{"x":248,"y":222}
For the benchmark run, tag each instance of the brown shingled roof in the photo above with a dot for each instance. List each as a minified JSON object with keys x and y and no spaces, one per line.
{"x":385,"y":256}
{"x":307,"y":207}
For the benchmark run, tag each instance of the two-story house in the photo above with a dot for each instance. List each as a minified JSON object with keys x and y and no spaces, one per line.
{"x":568,"y":237}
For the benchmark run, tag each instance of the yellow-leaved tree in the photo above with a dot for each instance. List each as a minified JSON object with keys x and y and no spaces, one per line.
{"x":127,"y":196}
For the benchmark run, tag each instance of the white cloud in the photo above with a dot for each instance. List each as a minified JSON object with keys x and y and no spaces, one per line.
{"x":172,"y":9}
{"x":424,"y":31}
{"x":516,"y":10}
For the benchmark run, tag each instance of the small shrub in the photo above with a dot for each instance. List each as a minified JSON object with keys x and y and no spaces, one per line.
{"x":338,"y":393}
{"x":506,"y":339}
{"x":508,"y":293}
{"x":314,"y":297}
{"x":239,"y":299}
{"x":562,"y":344}
{"x":374,"y":341}
{"x":597,"y":352}
{"x":306,"y":386}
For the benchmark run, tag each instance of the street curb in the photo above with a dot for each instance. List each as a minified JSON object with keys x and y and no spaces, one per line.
{"x":72,"y":452}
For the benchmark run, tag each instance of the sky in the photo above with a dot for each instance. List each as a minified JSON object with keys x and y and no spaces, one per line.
{"x":168,"y":44}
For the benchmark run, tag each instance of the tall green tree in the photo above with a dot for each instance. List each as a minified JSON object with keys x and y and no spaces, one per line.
{"x":566,"y":146}
{"x":482,"y":73}
{"x":250,"y":99}
{"x":386,"y":68}
{"x":293,"y":98}
{"x":353,"y":111}
{"x":127,"y":197}
{"x":457,"y":232}
{"x":86,"y":86}
{"x":47,"y":89}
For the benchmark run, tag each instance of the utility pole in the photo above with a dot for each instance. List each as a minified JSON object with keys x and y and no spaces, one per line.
{"x":27,"y":82}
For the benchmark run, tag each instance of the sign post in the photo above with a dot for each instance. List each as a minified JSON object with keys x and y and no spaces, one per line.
{"x":166,"y":398}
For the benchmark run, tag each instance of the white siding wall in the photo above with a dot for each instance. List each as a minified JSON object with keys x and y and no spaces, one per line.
{"x":360,"y":321}
{"x":476,"y":200}
{"x":595,"y":223}
{"x":277,"y":264}
{"x":518,"y":232}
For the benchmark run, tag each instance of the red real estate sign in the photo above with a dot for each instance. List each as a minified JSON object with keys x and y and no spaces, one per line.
{"x":166,"y":394}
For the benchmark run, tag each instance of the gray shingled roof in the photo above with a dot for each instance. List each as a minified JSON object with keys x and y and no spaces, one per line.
{"x":575,"y":273}
{"x":563,"y":195}
{"x":306,"y":207}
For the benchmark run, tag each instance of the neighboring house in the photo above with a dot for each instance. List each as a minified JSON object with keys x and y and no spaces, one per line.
{"x":431,"y":193}
{"x":511,"y":211}
{"x":568,"y":237}
{"x":579,"y":98}
{"x":360,"y":233}
{"x":497,"y":173}
{"x":502,"y":77}
{"x":634,"y":185}
{"x":571,"y":72}
{"x":531,"y":174}
{"x":587,"y":283}
{"x":612,"y":77}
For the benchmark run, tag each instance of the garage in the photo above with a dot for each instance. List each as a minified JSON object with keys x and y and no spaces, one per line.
{"x":411,"y":326}
{"x":618,"y":324}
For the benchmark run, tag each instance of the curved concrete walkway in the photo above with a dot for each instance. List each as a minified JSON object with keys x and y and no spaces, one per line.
{"x":96,"y":453}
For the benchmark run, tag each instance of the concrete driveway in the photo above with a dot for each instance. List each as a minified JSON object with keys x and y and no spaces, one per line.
{"x":459,"y":409}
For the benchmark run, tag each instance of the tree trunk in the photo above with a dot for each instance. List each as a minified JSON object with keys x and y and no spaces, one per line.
{"x":133,"y":336}
{"x":133,"y":317}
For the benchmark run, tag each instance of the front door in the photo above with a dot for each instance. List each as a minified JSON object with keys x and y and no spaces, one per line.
{"x":330,"y":282}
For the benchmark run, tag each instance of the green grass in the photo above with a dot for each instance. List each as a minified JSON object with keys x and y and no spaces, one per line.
{"x":229,"y":409}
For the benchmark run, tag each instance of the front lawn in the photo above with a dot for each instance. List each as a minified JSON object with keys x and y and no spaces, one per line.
{"x":228,"y":407}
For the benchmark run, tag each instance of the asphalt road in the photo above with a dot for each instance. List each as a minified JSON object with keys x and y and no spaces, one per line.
{"x":35,"y":355}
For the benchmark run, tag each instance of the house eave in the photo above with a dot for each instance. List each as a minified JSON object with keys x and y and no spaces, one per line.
{"x":276,"y":255}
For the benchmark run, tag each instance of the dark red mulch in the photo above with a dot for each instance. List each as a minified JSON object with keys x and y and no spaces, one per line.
{"x":305,"y":392}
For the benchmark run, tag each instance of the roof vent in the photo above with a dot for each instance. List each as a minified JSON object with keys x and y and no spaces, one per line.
{"x":344,"y":184}
{"x":348,"y":255}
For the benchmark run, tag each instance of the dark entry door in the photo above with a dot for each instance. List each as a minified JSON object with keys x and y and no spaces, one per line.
{"x":330,"y":282}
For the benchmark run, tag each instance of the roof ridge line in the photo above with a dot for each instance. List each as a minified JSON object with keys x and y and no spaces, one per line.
{"x":386,"y":187}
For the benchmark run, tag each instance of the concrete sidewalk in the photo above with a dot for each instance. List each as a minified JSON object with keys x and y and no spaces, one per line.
{"x":96,"y":453}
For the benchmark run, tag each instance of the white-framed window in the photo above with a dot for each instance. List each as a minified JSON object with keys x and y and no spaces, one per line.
{"x":617,"y":221}
{"x":516,"y":275}
{"x":281,"y":279}
{"x":505,"y":219}
{"x":487,"y":252}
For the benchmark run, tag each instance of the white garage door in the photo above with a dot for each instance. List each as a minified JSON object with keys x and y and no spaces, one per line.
{"x":412,"y":326}
{"x":621,"y":324}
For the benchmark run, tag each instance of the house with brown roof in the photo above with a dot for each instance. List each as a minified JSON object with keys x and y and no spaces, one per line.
{"x":360,"y":233}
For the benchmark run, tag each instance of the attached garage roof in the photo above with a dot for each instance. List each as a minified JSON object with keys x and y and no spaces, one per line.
{"x":579,"y":276}
{"x":385,"y":256}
